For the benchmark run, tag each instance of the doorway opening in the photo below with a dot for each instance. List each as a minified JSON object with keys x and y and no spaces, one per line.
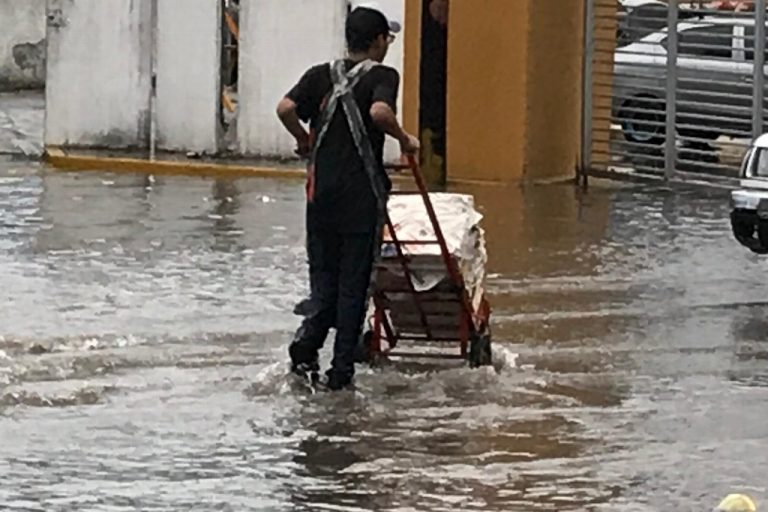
{"x":230,"y":62}
{"x":433,"y":88}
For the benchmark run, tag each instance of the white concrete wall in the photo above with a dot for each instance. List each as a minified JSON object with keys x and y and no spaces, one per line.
{"x":280,"y":39}
{"x":98,"y":79}
{"x":394,"y":9}
{"x":188,"y":74}
{"x":22,"y":44}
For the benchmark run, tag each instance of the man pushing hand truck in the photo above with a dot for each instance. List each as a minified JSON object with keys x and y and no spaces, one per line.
{"x":350,"y":106}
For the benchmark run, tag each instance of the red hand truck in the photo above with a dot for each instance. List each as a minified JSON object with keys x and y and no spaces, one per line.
{"x":433,"y":319}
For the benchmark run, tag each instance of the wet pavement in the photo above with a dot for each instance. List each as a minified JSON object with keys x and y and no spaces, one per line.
{"x":21,"y":123}
{"x":142,"y":366}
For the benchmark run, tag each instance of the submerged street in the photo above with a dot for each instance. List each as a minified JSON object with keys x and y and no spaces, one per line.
{"x":142,"y":357}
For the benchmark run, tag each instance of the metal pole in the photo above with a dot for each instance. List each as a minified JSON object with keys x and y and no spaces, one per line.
{"x":759,"y":70}
{"x":670,"y":148}
{"x":587,"y":90}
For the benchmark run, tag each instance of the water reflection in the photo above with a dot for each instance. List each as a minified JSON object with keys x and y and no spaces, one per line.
{"x":749,"y":330}
{"x":226,"y":205}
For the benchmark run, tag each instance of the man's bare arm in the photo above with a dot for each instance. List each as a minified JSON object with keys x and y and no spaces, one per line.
{"x":385,"y":119}
{"x":286,"y":111}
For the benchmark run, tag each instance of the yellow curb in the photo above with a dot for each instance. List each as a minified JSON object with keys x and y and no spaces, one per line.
{"x":504,"y":184}
{"x":64,"y":161}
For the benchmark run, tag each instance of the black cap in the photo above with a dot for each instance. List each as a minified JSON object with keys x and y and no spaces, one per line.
{"x":364,"y":25}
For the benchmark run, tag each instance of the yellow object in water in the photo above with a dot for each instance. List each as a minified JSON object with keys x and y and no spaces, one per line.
{"x":737,"y":503}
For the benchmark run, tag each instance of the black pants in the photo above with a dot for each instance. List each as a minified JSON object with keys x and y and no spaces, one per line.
{"x":340,"y":267}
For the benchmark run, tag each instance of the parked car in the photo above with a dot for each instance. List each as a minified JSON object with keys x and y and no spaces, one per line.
{"x":714,"y":88}
{"x":749,"y":214}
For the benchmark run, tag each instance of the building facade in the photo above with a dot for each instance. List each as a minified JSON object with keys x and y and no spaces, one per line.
{"x":492,"y":87}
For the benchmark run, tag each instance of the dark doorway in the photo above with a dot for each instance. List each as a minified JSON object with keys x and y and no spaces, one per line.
{"x":432,"y":94}
{"x":230,"y":67}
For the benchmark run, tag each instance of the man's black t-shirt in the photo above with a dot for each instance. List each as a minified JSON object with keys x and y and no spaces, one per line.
{"x":343,"y":198}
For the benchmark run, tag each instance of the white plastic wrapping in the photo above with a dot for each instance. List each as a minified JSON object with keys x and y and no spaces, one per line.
{"x":460,"y":224}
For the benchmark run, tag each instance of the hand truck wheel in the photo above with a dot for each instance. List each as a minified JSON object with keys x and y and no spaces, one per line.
{"x":363,"y":349}
{"x":480,"y":350}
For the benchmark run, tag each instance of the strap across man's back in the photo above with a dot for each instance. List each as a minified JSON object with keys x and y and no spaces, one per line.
{"x":344,"y":83}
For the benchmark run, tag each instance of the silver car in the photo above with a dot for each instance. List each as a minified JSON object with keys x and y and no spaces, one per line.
{"x":714,"y":88}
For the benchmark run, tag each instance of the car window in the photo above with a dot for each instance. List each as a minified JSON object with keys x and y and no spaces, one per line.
{"x":648,"y":18}
{"x":713,"y":42}
{"x":641,"y":21}
{"x":749,"y":43}
{"x":760,"y":167}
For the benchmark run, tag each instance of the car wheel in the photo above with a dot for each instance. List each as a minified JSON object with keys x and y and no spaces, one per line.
{"x":752,"y":237}
{"x":642,"y":121}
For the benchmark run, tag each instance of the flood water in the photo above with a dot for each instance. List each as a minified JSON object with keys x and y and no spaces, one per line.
{"x":142,"y":358}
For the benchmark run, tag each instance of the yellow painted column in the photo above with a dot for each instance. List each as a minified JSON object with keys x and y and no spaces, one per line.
{"x":487,"y":83}
{"x":514,"y":89}
{"x":555,"y":89}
